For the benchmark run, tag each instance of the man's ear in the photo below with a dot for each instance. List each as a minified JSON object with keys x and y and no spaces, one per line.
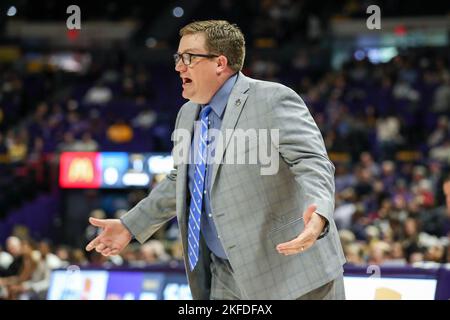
{"x":222,"y":63}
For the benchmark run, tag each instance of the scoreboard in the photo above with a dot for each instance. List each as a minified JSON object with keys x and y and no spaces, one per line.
{"x":112,"y":169}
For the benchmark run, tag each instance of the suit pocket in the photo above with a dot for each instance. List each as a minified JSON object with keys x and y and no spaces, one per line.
{"x":287,"y":232}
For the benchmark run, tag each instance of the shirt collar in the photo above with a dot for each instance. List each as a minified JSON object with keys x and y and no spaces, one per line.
{"x":220,"y":99}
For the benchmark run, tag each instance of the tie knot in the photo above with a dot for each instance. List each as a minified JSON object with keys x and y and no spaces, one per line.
{"x":205,"y":112}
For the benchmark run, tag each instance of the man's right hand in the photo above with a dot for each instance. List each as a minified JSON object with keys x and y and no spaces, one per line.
{"x":113,"y":238}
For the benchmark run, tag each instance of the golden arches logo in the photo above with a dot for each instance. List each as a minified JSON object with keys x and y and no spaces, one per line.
{"x":81,"y":169}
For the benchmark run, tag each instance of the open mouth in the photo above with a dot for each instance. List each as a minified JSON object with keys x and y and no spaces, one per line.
{"x":186,"y":81}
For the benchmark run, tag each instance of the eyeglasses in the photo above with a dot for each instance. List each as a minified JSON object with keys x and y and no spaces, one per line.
{"x":187,"y":57}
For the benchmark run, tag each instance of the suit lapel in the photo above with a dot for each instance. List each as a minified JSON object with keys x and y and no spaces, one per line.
{"x":233,"y":110}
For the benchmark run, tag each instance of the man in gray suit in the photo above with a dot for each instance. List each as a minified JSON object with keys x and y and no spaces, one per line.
{"x":246,"y":234}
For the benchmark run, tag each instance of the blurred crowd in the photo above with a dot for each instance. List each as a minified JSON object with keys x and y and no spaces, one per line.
{"x":385,"y":127}
{"x":26,"y":265}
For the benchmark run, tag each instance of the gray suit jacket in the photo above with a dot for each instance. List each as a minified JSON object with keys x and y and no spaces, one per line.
{"x":253,"y":212}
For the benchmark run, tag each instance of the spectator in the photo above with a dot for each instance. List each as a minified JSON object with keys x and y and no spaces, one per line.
{"x":86,"y":143}
{"x":153,"y":252}
{"x":379,"y":253}
{"x":50,"y":260}
{"x":354,"y":254}
{"x":98,"y":94}
{"x":29,"y":265}
{"x":441,"y":152}
{"x":388,"y":136}
{"x":441,"y":99}
{"x":68,"y":143}
{"x":5,"y":260}
{"x":14,"y":248}
{"x":145,"y":119}
{"x":63,"y":254}
{"x":440,"y":133}
{"x":436,"y":221}
{"x":396,"y":256}
{"x":36,"y":287}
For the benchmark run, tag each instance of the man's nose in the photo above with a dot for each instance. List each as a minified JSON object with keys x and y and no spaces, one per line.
{"x":180,"y":66}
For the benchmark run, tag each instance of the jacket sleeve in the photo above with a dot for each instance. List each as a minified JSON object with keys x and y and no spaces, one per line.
{"x":302,"y":147}
{"x":156,"y":209}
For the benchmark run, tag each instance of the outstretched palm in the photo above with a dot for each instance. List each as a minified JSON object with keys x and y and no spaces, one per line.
{"x":113,"y":238}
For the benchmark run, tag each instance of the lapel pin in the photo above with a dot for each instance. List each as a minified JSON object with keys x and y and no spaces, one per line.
{"x":237,"y":103}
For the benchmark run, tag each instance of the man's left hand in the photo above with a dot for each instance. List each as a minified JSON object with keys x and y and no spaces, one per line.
{"x":314,"y":224}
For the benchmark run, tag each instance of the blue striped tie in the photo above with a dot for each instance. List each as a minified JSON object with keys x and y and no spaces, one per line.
{"x":195,"y":209}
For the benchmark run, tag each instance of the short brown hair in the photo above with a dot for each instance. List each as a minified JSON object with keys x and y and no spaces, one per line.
{"x":221,"y":38}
